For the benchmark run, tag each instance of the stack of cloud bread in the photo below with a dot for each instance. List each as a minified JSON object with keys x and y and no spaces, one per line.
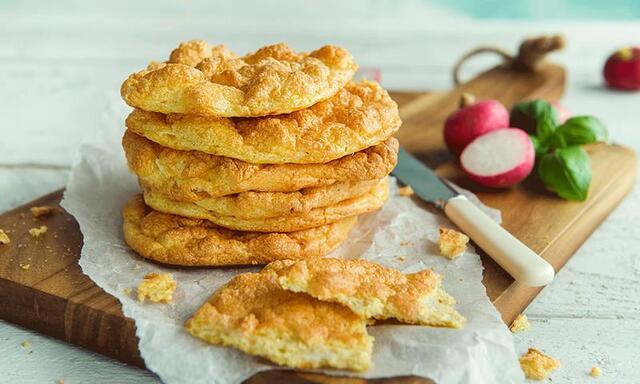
{"x":256,"y":158}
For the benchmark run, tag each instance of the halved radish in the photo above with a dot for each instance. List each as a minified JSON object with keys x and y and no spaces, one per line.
{"x":500,"y":158}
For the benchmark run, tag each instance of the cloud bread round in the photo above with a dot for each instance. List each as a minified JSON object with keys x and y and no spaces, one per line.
{"x":262,"y":205}
{"x":371,"y":201}
{"x":194,"y":51}
{"x":193,"y":176}
{"x":253,"y":314}
{"x":371,"y":290}
{"x":357,"y":117}
{"x":272,"y":80}
{"x":179,"y":240}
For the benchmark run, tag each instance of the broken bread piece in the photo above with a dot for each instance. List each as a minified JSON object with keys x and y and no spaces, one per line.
{"x":371,"y":290}
{"x":4,"y":238}
{"x":536,"y":365}
{"x":38,"y":231}
{"x":406,"y":191}
{"x":44,"y":210}
{"x":452,"y":243}
{"x":520,"y":324}
{"x":158,"y":287}
{"x":252,"y":313}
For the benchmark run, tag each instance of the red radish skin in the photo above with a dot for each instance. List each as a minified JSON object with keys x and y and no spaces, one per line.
{"x":622,"y":69}
{"x":563,"y":113}
{"x":500,"y":158}
{"x":472,"y":121}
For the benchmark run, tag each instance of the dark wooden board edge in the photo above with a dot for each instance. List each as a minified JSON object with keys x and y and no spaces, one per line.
{"x":42,"y":307}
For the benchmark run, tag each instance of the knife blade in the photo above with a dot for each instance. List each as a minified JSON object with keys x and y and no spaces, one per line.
{"x":523,"y":264}
{"x":424,"y":182}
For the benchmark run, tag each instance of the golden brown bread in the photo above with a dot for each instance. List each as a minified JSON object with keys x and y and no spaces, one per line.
{"x":263,"y":205}
{"x":252,"y":313}
{"x":371,"y":290}
{"x":272,"y":80}
{"x":193,"y":176}
{"x":537,"y":365}
{"x":194,"y":51}
{"x":520,"y":324}
{"x":157,"y":287}
{"x":179,"y":240}
{"x":371,"y":201}
{"x":452,"y":243}
{"x":357,"y":117}
{"x":4,"y":238}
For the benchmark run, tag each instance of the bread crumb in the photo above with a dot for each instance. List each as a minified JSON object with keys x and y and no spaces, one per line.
{"x":26,"y":344}
{"x":127,"y":291}
{"x":400,"y":259}
{"x":60,"y":381}
{"x":406,"y":191}
{"x":536,"y":365}
{"x":36,"y":232}
{"x":452,"y":243}
{"x":158,"y":287}
{"x":42,"y":211}
{"x":25,"y":266}
{"x":595,"y":372}
{"x":520,"y":324}
{"x":4,"y":238}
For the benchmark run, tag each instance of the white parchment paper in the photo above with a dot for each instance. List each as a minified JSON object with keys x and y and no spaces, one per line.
{"x":402,"y":235}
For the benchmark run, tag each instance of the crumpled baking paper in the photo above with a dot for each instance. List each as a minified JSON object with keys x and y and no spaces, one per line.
{"x":403,"y":235}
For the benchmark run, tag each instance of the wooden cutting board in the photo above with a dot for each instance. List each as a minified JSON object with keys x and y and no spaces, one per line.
{"x":43,"y":288}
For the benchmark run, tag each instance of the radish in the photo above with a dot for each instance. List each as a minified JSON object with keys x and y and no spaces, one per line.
{"x":622,"y":69}
{"x":472,"y":120}
{"x":500,"y":158}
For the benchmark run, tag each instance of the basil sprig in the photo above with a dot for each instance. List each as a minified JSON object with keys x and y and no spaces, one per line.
{"x":567,"y":171}
{"x":527,"y":115}
{"x":544,"y":133}
{"x":562,"y":165}
{"x":580,"y":130}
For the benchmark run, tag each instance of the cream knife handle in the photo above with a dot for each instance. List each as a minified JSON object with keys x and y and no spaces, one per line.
{"x":517,"y":259}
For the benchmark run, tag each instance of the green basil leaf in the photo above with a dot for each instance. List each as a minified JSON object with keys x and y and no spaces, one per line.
{"x":539,"y":147}
{"x":545,"y":127}
{"x":567,"y":171}
{"x":579,"y":130}
{"x":536,"y":117}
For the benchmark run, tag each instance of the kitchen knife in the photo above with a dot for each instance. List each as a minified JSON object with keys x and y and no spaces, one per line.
{"x":524,"y":265}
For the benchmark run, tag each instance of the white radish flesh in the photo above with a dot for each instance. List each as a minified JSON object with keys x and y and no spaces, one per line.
{"x":500,"y":158}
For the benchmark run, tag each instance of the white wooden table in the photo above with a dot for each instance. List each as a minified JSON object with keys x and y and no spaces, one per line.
{"x":62,"y":63}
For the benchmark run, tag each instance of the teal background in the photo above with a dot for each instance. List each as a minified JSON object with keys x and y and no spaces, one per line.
{"x":545,"y":9}
{"x":481,"y":9}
